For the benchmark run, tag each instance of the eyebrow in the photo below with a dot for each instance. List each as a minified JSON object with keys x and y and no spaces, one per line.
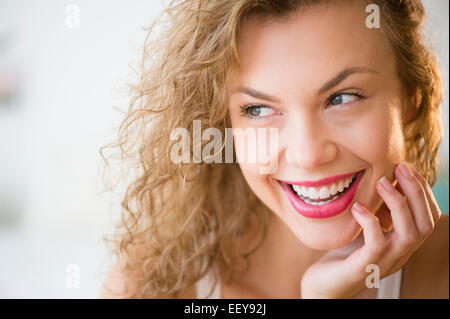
{"x":341,"y":76}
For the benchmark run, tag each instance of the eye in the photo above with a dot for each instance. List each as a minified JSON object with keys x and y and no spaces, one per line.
{"x":257,"y":111}
{"x":344,"y":98}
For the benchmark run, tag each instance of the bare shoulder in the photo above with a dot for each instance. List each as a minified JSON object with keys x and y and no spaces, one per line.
{"x":120,"y":284}
{"x":426,"y":274}
{"x":115,"y":282}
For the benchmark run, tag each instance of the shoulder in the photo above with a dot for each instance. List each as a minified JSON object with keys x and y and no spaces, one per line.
{"x":426,"y":274}
{"x":115,"y":283}
{"x":120,"y":283}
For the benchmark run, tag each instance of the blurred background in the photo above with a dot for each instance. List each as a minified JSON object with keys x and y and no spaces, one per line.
{"x":63,"y":70}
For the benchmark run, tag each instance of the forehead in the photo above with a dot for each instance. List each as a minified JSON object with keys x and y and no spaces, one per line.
{"x":314,"y":44}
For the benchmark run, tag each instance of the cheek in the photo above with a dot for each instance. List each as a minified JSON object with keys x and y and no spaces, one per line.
{"x":253,"y":168}
{"x":380,"y":143}
{"x":257,"y":174}
{"x":261,"y":186}
{"x":257,"y":149}
{"x":378,"y":138}
{"x":388,"y":141}
{"x":245,"y":148}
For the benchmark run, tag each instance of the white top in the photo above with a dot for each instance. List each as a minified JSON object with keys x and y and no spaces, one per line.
{"x":389,"y":287}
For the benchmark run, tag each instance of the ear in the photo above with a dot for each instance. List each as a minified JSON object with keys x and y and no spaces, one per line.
{"x":411,"y":105}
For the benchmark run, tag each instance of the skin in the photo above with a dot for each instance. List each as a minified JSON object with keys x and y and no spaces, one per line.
{"x":317,"y":139}
{"x":326,"y":258}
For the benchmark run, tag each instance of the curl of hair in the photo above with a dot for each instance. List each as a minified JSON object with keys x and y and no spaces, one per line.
{"x":178,"y":220}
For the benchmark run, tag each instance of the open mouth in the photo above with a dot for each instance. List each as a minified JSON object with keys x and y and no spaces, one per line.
{"x":325,"y":201}
{"x":335,"y":191}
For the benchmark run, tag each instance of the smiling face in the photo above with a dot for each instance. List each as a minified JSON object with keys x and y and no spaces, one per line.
{"x":329,"y":85}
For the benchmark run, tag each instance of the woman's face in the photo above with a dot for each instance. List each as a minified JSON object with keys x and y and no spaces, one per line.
{"x":329,"y":85}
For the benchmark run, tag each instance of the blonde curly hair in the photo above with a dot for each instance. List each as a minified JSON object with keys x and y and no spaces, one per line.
{"x":178,"y":220}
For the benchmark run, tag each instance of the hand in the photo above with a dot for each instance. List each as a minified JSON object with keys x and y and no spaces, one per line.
{"x":409,"y":208}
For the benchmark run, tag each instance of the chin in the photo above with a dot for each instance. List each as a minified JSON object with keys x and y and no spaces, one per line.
{"x":326,"y":234}
{"x":330,"y":242}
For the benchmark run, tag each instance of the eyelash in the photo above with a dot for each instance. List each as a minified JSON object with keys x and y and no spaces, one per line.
{"x":245,"y":109}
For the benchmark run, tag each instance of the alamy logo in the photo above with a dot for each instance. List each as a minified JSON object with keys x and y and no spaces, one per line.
{"x":253,"y":146}
{"x":373,"y":279}
{"x":73,"y":277}
{"x":73,"y":17}
{"x":373,"y":19}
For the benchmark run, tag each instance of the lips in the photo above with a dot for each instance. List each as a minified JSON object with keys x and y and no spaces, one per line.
{"x":330,"y":209}
{"x":324,"y":181}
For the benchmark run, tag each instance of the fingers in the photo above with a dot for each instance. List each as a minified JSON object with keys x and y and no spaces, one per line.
{"x":405,"y":231}
{"x":384,"y":216}
{"x":374,"y":240}
{"x":435,"y":210}
{"x":416,"y":200}
{"x":413,"y":211}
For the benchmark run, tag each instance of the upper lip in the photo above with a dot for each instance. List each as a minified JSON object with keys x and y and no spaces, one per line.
{"x":324,"y":181}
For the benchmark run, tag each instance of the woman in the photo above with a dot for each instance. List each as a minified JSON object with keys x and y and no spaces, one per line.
{"x":348,"y":99}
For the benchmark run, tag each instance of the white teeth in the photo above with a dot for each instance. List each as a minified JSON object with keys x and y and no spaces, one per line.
{"x":333,"y":189}
{"x":347,"y":182}
{"x":304,"y":191}
{"x":313,"y":193}
{"x":297,"y":189}
{"x":340,"y":186}
{"x":324,"y":191}
{"x":320,"y":203}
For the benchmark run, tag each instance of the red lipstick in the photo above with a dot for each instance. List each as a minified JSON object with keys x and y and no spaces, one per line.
{"x":321,"y":182}
{"x":333,"y":208}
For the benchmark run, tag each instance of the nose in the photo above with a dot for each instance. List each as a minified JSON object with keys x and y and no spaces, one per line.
{"x":309,"y":143}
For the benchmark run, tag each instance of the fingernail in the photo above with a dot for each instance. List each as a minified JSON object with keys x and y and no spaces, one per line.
{"x":405,"y":170}
{"x":387,"y":185}
{"x":357,"y":207}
